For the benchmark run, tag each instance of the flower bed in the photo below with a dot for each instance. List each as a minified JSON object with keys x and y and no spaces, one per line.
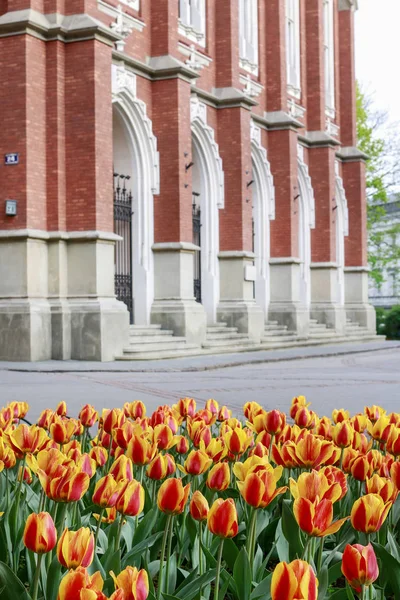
{"x":189,"y":503}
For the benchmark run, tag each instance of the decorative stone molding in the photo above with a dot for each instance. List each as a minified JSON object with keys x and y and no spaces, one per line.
{"x":248,"y":66}
{"x":251,"y":87}
{"x":191,"y":33}
{"x":129,"y":21}
{"x":195,"y":60}
{"x":121,"y":26}
{"x":261,"y":159}
{"x":304,"y":173}
{"x":348,"y":5}
{"x":341,"y":193}
{"x":295,"y":110}
{"x":331,"y":128}
{"x":198,"y":116}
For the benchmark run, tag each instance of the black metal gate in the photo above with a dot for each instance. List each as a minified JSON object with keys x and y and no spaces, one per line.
{"x":196,"y":216}
{"x":123,"y":249}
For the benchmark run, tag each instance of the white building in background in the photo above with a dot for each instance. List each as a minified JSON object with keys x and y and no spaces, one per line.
{"x":388,"y":294}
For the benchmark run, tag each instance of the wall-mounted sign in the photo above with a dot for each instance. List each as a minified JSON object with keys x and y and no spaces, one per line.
{"x":11,"y":159}
{"x":11,"y":208}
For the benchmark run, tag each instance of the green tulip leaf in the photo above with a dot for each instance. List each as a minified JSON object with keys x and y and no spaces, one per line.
{"x":291,"y":531}
{"x":389,"y":569}
{"x":53,"y":579}
{"x":11,"y":588}
{"x":323,"y":583}
{"x":263,"y":589}
{"x":242,"y":575}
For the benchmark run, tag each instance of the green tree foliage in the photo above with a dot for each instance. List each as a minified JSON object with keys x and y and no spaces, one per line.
{"x":384,"y":251}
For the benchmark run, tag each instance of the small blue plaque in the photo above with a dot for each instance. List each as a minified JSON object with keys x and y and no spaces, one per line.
{"x":11,"y":159}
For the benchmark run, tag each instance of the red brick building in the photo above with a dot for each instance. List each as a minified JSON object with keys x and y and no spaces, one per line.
{"x":216,"y":137}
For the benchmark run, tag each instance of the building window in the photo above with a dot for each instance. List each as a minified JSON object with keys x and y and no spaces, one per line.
{"x":293,"y":46}
{"x":192,"y":20}
{"x":248,"y":34}
{"x":329,"y":57}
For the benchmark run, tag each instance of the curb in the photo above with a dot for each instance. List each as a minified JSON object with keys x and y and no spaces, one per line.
{"x":212,"y":367}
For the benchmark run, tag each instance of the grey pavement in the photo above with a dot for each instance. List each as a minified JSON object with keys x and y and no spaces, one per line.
{"x":338,"y":377}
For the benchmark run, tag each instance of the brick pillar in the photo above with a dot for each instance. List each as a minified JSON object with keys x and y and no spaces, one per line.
{"x":174,"y":304}
{"x":237,"y":305}
{"x":325,"y":277}
{"x":275,"y":40}
{"x":353,"y":170}
{"x":227,"y":43}
{"x":25,"y":329}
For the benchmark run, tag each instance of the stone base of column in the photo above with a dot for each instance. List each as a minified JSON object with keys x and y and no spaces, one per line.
{"x":357,"y":306}
{"x":174,"y":306}
{"x":237,"y":306}
{"x":25,"y":330}
{"x":99,"y":329}
{"x":286,"y":306}
{"x":60,"y":330}
{"x":325,"y":295}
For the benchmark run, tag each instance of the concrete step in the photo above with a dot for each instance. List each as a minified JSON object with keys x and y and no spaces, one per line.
{"x":289,"y":336}
{"x":237,"y":343}
{"x":277,"y":332}
{"x":189,"y":350}
{"x":317,"y":326}
{"x":136,"y":340}
{"x":149,"y":345}
{"x":327,"y":334}
{"x":215,"y":329}
{"x":226,"y":336}
{"x":153,"y":334}
{"x":275,"y":328}
{"x":144,"y":327}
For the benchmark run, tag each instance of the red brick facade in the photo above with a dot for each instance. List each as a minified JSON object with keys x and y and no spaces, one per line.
{"x":57,"y":113}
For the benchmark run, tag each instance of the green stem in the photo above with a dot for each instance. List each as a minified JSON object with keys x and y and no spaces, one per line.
{"x":42,"y":500}
{"x":35,"y":584}
{"x":63,"y":514}
{"x":119,"y":531}
{"x":252,"y":537}
{"x":341,"y":459}
{"x":169,"y":554}
{"x":18,"y":499}
{"x":305,"y":551}
{"x":363,"y":596}
{"x":162,"y":556}
{"x":321,"y":549}
{"x":96,"y":537}
{"x":7,"y":490}
{"x":109,"y":454}
{"x":200,"y":551}
{"x":83,"y":443}
{"x":219,"y":561}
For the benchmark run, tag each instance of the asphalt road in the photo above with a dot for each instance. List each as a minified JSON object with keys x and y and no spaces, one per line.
{"x":350,"y":381}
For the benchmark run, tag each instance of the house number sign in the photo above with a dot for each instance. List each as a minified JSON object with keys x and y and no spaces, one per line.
{"x":11,"y":159}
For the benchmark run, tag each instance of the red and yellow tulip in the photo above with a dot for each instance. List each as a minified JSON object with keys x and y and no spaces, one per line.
{"x":40,"y":534}
{"x":133,"y":583}
{"x":219,"y":477}
{"x":173,"y":496}
{"x":259,"y":489}
{"x":79,"y":585}
{"x":199,"y":507}
{"x":222,"y":519}
{"x":359,"y":565}
{"x":315,"y":518}
{"x":76,"y":548}
{"x":294,"y":581}
{"x":369,"y":513}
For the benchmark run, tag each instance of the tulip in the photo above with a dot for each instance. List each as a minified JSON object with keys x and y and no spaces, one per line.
{"x":130,"y":500}
{"x":335,"y":475}
{"x":40,"y":536}
{"x":259,"y":449}
{"x":393,"y":442}
{"x":343,"y":434}
{"x":198,"y":507}
{"x":253,"y":464}
{"x":62,"y":429}
{"x":160,"y":467}
{"x":338,"y":416}
{"x":76,"y":548}
{"x":45,"y":419}
{"x":196,"y":463}
{"x":315,"y":486}
{"x":24,"y":474}
{"x":259,"y":489}
{"x":135,"y":410}
{"x":275,"y":421}
{"x":202,"y":435}
{"x":106,"y":492}
{"x":294,"y":581}
{"x":281,"y":455}
{"x":140,"y":450}
{"x":26,"y":439}
{"x":7,"y":455}
{"x":122,"y":468}
{"x":219,"y":477}
{"x":68,"y":483}
{"x":237,"y":441}
{"x":381,"y":429}
{"x":306,"y":419}
{"x":108,"y":516}
{"x":382,"y":486}
{"x":315,"y":518}
{"x":374,"y":412}
{"x":172,"y":496}
{"x":360,"y":468}
{"x":134,"y":583}
{"x":395,"y":474}
{"x":310,"y":451}
{"x":359,"y":566}
{"x":112,"y":419}
{"x":265,"y":439}
{"x":79,"y":585}
{"x":164,"y":437}
{"x":122,"y":435}
{"x":324,"y":429}
{"x":216,"y":449}
{"x":186,"y":407}
{"x":212,"y":406}
{"x":224,"y":414}
{"x":251,"y":410}
{"x":182,"y":445}
{"x":86,"y":464}
{"x":360,"y":423}
{"x":297,"y":403}
{"x":88,"y":416}
{"x":369,"y":513}
{"x":360,"y":443}
{"x":222,"y":521}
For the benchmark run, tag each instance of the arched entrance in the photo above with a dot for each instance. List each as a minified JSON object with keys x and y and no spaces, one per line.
{"x":306,"y":212}
{"x":136,"y":168}
{"x":208,"y":190}
{"x":263,"y":211}
{"x":342,"y":230}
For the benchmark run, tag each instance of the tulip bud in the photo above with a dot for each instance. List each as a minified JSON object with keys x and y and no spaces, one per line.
{"x":224,"y":414}
{"x":196,"y":463}
{"x":343,"y":434}
{"x":219,"y":477}
{"x":294,"y":580}
{"x":259,"y":489}
{"x":88,"y":416}
{"x":213,"y":406}
{"x":186,"y":407}
{"x":61,"y":409}
{"x":135,"y":410}
{"x":172,"y":496}
{"x":78,"y":584}
{"x":106,"y":492}
{"x":99,"y":454}
{"x":338,"y":416}
{"x":275,"y":421}
{"x":359,"y":566}
{"x":131,"y":498}
{"x":369,"y":513}
{"x":122,"y":469}
{"x":222,"y":519}
{"x":40,"y":534}
{"x":182,"y":445}
{"x":199,"y":507}
{"x":76,"y":548}
{"x":134,"y":583}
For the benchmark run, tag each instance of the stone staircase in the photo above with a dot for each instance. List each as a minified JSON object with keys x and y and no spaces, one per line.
{"x":221,"y":339}
{"x":320,"y":331}
{"x":355,"y":330}
{"x":277,"y":336}
{"x":152,"y":342}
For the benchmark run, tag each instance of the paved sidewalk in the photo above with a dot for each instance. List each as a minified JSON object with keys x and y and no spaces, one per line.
{"x":199,"y":363}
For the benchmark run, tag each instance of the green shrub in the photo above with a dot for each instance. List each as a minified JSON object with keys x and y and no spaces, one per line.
{"x":381,"y":316}
{"x":393,"y":324}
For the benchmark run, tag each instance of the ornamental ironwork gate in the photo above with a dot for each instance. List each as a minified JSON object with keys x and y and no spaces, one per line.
{"x":123,"y":249}
{"x":196,"y":216}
